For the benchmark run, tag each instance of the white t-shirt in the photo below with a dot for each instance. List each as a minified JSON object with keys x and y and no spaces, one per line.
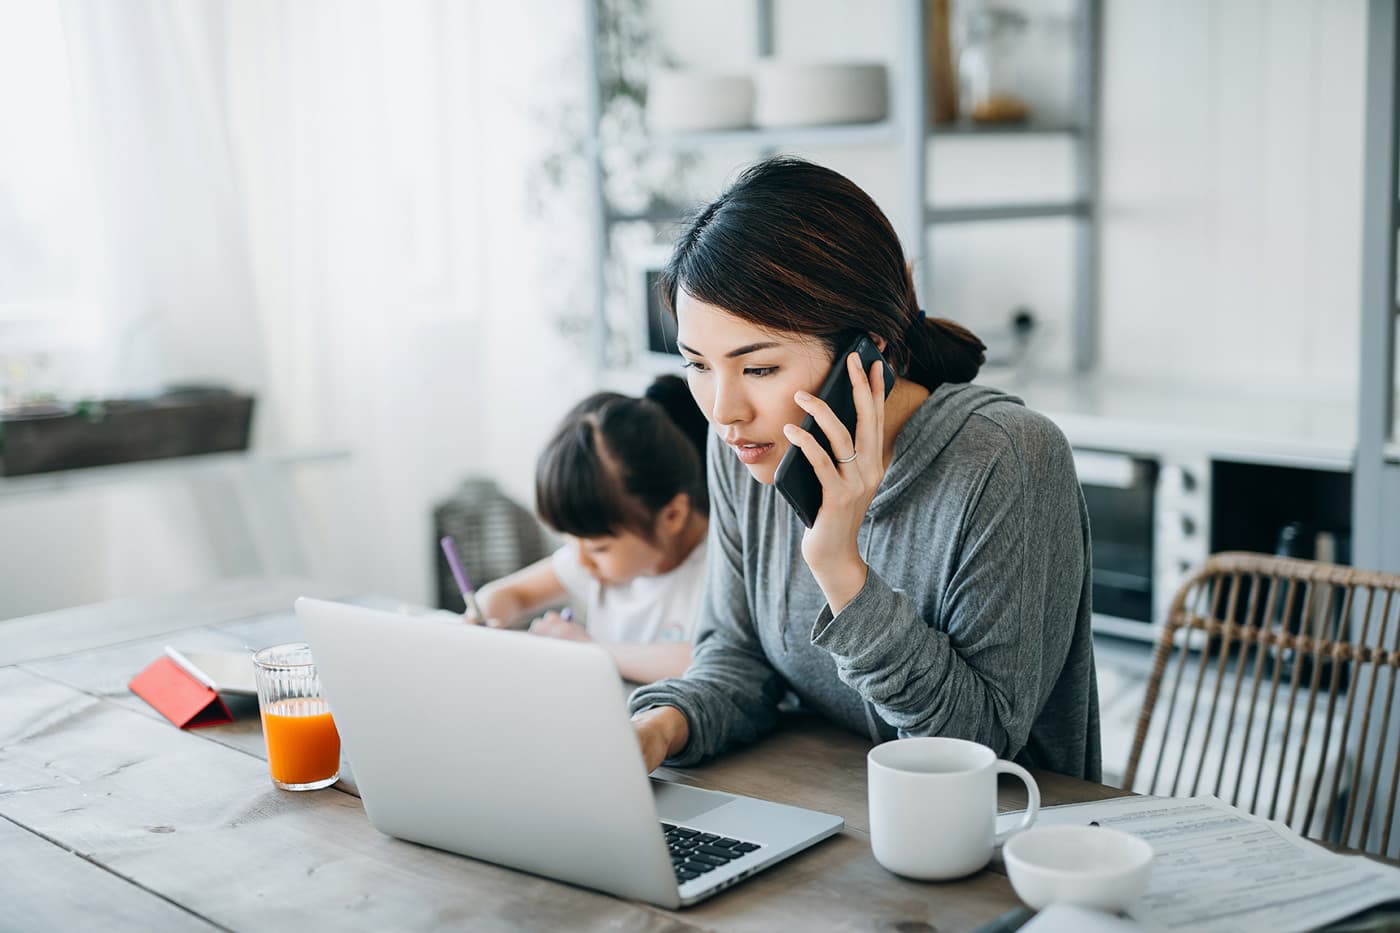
{"x":645,"y":611}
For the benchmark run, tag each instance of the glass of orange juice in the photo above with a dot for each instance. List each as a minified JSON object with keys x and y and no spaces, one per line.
{"x":303,"y":746}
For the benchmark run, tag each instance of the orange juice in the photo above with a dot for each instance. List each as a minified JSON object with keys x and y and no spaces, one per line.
{"x":303,"y":746}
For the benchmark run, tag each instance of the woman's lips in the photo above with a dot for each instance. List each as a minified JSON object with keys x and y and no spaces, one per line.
{"x":752,"y":453}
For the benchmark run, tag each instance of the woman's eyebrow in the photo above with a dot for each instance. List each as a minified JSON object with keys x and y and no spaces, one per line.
{"x":741,"y":351}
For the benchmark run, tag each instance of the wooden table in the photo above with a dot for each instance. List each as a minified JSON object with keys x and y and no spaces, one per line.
{"x":115,"y":819}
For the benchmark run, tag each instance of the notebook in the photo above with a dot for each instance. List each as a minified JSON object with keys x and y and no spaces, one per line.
{"x":516,"y":749}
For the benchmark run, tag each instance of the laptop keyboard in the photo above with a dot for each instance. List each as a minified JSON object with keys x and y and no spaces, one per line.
{"x":693,"y":853}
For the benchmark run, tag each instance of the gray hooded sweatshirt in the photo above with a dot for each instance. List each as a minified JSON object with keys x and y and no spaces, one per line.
{"x":974,"y":618}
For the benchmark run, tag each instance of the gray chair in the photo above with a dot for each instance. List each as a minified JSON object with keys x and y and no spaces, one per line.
{"x":495,"y":536}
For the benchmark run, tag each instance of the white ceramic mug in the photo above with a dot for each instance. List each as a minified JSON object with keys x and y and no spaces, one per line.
{"x":933,"y":806}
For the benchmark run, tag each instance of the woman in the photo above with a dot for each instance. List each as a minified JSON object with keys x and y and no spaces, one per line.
{"x":943,"y":588}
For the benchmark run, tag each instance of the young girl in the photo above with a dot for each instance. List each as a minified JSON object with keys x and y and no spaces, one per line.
{"x":624,"y":481}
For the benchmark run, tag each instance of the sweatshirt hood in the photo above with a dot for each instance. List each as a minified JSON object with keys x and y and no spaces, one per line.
{"x":928,"y":431}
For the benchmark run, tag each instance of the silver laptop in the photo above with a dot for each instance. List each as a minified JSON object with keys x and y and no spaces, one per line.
{"x":517,"y":750}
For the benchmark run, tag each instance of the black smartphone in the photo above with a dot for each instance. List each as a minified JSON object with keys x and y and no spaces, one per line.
{"x":795,"y":478}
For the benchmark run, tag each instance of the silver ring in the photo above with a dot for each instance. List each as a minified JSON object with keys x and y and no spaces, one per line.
{"x":854,"y":454}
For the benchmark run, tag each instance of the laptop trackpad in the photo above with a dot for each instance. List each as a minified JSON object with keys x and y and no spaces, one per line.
{"x":677,"y":803}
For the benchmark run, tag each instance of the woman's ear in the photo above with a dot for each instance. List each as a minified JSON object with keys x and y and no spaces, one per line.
{"x":880,"y":342}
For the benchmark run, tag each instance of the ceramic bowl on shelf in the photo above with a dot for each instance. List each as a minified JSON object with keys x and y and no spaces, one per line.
{"x":813,"y":94}
{"x":690,"y":101}
{"x":1088,"y":866}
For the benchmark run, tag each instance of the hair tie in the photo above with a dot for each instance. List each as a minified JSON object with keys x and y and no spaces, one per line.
{"x":915,"y":324}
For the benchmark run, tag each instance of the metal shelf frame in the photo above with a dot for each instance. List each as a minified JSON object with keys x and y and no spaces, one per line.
{"x":880,"y":133}
{"x":1376,"y":509}
{"x":963,"y":215}
{"x":1376,"y":480}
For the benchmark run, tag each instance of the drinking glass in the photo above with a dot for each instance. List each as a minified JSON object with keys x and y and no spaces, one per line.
{"x":303,"y":746}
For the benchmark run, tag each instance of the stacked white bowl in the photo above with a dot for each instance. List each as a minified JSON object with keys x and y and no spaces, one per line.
{"x":780,"y":94}
{"x":808,"y":94}
{"x":683,"y":101}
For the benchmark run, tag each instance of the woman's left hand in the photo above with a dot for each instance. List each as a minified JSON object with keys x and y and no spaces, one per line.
{"x":830,"y":546}
{"x":553,"y":625}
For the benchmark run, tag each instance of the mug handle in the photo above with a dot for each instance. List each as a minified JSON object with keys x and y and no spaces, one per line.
{"x":1032,"y":798}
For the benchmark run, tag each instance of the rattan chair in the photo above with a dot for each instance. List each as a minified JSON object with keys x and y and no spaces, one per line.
{"x":1273,"y":682}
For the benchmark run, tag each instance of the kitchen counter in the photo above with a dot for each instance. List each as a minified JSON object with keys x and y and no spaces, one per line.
{"x":1122,"y":414}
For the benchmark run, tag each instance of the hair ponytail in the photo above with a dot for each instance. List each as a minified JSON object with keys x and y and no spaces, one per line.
{"x":940,"y":350}
{"x":616,"y":461}
{"x":673,"y":395}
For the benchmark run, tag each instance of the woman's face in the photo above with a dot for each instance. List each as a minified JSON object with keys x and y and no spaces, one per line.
{"x":744,"y":377}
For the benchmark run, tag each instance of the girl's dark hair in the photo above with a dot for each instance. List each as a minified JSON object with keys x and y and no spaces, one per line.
{"x":616,"y":461}
{"x":793,"y":246}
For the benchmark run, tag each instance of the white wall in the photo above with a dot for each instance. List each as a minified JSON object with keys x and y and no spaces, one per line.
{"x":1232,"y":191}
{"x":52,"y":553}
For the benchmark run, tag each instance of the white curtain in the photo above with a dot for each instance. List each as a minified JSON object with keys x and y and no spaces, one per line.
{"x":385,"y":147}
{"x":327,"y":202}
{"x":154,"y":285}
{"x":174,"y":280}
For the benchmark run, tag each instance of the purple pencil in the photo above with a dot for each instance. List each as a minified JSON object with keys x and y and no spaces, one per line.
{"x":449,"y":550}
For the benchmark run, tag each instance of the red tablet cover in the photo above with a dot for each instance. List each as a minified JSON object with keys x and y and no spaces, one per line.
{"x":179,"y":697}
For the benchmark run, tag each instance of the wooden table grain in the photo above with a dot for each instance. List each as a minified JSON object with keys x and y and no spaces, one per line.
{"x":113,"y":818}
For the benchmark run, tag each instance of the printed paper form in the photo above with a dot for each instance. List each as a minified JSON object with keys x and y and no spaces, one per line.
{"x":1218,"y":868}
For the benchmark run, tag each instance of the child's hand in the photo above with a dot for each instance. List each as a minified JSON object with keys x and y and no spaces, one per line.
{"x":471,"y":618}
{"x":499,"y":605}
{"x":554,"y":625}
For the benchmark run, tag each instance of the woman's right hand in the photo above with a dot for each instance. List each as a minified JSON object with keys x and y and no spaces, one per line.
{"x":662,"y":731}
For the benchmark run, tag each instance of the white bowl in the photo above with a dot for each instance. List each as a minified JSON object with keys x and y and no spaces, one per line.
{"x":683,"y":101}
{"x":1091,"y":866}
{"x":795,"y":94}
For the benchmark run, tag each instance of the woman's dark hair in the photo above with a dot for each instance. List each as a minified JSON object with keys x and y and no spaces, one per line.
{"x":616,"y":461}
{"x":793,"y":246}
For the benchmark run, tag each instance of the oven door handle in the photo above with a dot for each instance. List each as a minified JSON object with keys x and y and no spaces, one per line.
{"x":1106,"y":470}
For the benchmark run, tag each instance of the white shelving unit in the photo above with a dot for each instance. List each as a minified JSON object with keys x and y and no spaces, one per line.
{"x":1378,"y":454}
{"x":884,"y":132}
{"x":908,"y":130}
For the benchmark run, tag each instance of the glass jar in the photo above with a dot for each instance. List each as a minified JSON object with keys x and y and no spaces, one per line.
{"x":989,"y":66}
